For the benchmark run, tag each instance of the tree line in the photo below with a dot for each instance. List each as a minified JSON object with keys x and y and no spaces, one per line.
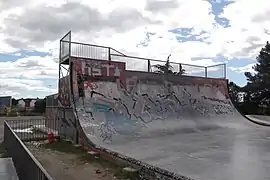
{"x":256,"y":93}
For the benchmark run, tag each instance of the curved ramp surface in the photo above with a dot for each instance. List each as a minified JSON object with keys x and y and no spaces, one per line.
{"x":184,"y":125}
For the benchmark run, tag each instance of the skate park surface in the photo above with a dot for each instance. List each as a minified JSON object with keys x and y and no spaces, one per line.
{"x":259,"y":119}
{"x":185,"y":125}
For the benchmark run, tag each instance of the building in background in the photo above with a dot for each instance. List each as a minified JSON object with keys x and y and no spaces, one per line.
{"x":5,"y":104}
{"x":27,"y":104}
{"x":21,"y":104}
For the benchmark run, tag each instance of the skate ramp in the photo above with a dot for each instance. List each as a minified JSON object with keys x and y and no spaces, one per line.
{"x":184,"y":125}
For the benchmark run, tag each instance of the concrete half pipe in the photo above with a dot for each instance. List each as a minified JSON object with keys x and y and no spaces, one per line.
{"x":185,"y":125}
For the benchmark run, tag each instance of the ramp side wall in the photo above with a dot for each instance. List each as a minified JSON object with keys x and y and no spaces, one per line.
{"x":66,"y":118}
{"x":86,"y":73}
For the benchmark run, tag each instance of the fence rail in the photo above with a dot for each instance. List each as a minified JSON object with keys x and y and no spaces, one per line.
{"x":33,"y":129}
{"x":27,"y":166}
{"x":97,"y":52}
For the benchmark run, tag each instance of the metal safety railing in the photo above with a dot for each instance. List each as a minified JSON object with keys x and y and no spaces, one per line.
{"x":27,"y":166}
{"x":96,"y":52}
{"x":32,"y":129}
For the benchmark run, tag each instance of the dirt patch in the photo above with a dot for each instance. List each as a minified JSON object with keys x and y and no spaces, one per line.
{"x":63,"y":161}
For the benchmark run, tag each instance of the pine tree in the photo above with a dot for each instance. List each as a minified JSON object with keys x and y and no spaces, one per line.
{"x":167,"y":68}
{"x":234,"y":90}
{"x":258,"y":86}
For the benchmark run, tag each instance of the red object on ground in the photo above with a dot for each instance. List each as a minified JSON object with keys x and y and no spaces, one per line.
{"x":50,"y":137}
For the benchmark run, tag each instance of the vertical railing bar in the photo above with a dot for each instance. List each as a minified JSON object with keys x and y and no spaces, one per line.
{"x":149,"y":65}
{"x":69,"y":45}
{"x":225,"y":71}
{"x":109,"y":54}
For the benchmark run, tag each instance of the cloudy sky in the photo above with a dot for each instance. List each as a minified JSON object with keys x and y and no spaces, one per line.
{"x":200,"y":32}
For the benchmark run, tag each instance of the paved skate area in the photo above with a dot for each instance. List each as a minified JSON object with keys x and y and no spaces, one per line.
{"x":192,"y":130}
{"x":265,"y":120}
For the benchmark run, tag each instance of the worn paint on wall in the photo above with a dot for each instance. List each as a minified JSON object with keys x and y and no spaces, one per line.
{"x":112,"y":114}
{"x":146,"y":100}
{"x":66,"y":118}
{"x":67,"y":123}
{"x":98,"y":68}
{"x":75,"y":89}
{"x":63,"y":95}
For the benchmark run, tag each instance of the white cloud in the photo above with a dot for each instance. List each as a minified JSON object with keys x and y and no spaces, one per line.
{"x":15,"y":87}
{"x":32,"y":67}
{"x":108,"y":23}
{"x":182,"y":15}
{"x":138,"y":28}
{"x":248,"y":31}
{"x":103,"y":21}
{"x":247,"y":68}
{"x":27,"y":75}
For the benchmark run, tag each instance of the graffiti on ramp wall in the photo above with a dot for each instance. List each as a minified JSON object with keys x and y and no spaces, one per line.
{"x":110,"y":108}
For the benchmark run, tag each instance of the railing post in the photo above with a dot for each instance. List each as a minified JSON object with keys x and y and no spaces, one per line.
{"x":69,"y":45}
{"x":180,"y":68}
{"x":225,"y":71}
{"x":5,"y":133}
{"x":205,"y":71}
{"x":109,"y":54}
{"x":149,"y":65}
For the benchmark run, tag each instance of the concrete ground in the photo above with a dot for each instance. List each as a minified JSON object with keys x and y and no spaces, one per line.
{"x":222,"y":153}
{"x":265,"y":120}
{"x":66,"y":163}
{"x":60,"y":165}
{"x":192,"y":132}
{"x":7,"y":170}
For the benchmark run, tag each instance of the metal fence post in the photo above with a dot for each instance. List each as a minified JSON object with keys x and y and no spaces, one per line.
{"x":69,"y":45}
{"x":149,"y":65}
{"x":225,"y":70}
{"x":109,"y":54}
